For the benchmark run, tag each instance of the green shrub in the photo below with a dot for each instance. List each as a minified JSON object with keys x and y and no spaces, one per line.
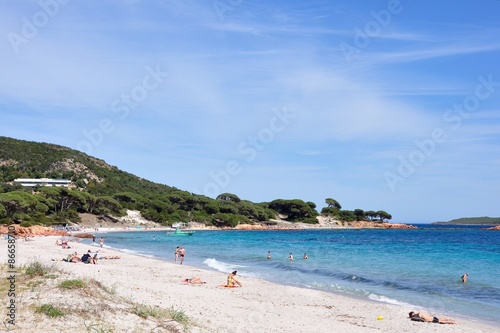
{"x":178,"y":315}
{"x":37,"y":268}
{"x":145,"y":311}
{"x":72,"y":284}
{"x":49,"y":310}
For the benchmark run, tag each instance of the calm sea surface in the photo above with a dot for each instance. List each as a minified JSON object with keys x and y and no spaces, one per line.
{"x":415,"y":267}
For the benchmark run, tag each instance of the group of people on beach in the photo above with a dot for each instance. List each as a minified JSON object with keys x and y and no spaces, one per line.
{"x":101,"y":241}
{"x":87,"y":258}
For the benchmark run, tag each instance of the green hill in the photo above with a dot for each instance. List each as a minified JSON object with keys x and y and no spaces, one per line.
{"x":473,"y":220}
{"x":101,"y":189}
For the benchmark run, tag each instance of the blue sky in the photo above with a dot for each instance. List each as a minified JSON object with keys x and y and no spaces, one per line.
{"x":391,"y":105}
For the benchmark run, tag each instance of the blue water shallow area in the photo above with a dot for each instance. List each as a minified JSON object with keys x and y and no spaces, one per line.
{"x":415,"y":267}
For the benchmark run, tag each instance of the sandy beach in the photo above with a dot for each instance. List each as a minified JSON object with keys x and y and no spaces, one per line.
{"x":259,"y":306}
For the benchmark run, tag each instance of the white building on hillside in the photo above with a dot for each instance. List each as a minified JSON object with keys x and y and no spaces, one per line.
{"x":32,"y":182}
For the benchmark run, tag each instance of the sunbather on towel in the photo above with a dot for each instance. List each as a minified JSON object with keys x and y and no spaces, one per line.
{"x":422,"y":316}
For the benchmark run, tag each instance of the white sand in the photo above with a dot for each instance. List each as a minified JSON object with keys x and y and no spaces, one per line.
{"x":259,"y":306}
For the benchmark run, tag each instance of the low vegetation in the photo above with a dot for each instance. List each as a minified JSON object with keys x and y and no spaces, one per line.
{"x":82,"y":305}
{"x":49,"y":310}
{"x":72,"y":284}
{"x":101,"y":189}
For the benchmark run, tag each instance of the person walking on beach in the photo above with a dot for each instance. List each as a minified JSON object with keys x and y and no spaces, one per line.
{"x":464,"y":277}
{"x":182,"y":253}
{"x":290,"y":257}
{"x":101,"y":241}
{"x":268,"y":255}
{"x":176,"y":253}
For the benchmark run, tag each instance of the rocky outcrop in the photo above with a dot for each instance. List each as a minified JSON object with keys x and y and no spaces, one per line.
{"x":69,"y":164}
{"x":378,"y":225}
{"x":9,"y":162}
{"x":497,"y":227}
{"x":32,"y":231}
{"x":83,"y":235}
{"x":250,"y":227}
{"x":283,"y":225}
{"x":398,"y":226}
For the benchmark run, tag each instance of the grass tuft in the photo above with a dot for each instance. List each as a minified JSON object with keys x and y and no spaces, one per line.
{"x":51,"y":276}
{"x":72,"y":284}
{"x":178,"y":315}
{"x":99,"y":328}
{"x":37,"y":268}
{"x":145,"y":311}
{"x":49,"y":310}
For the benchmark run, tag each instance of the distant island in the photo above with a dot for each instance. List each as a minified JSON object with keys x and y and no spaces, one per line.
{"x":473,"y":220}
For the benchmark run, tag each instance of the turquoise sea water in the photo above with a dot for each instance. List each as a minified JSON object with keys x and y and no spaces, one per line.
{"x":415,"y":267}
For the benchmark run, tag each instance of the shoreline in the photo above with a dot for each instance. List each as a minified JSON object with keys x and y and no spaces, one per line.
{"x":259,"y":306}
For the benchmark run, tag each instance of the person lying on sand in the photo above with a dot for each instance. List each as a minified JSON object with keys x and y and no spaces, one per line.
{"x":75,"y":257}
{"x":110,"y":257}
{"x":194,"y":280}
{"x":422,"y":316}
{"x":72,"y":258}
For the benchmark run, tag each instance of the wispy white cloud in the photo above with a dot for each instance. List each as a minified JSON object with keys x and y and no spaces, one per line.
{"x":431,"y":52}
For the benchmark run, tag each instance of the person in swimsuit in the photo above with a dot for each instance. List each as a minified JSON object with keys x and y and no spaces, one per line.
{"x":268,"y":255}
{"x":176,"y":253}
{"x":305,"y":256}
{"x":290,"y":257}
{"x":422,"y":316}
{"x":182,"y":253}
{"x":194,"y":280}
{"x":464,"y":277}
{"x":231,"y":280}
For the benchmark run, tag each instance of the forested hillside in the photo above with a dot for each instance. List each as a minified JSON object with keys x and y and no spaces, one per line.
{"x":101,"y":189}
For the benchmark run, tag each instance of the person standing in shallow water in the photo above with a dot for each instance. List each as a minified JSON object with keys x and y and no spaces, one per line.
{"x":176,"y":253}
{"x":268,"y":255}
{"x":290,"y":257}
{"x":182,"y":253}
{"x":464,"y":277}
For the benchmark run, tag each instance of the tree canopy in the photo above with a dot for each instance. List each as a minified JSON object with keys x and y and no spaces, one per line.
{"x":101,"y":189}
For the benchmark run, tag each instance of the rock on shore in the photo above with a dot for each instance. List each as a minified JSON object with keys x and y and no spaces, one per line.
{"x":32,"y":231}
